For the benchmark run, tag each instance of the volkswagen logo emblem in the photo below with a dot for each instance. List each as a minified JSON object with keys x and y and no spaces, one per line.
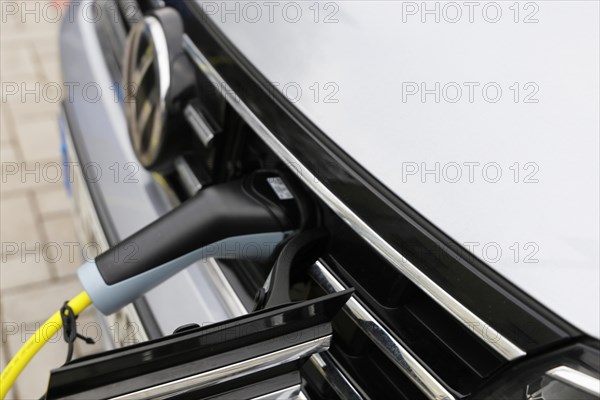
{"x":147,"y":79}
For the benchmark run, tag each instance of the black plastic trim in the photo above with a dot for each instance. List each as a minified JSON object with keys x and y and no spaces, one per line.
{"x":198,"y":350}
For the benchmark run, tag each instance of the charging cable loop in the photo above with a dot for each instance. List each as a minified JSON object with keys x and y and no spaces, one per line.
{"x":69,"y":320}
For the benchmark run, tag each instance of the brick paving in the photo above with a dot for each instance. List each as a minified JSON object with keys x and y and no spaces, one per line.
{"x":37,"y":272}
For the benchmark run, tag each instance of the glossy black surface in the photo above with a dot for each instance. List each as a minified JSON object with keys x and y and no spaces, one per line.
{"x":252,"y":386}
{"x":510,"y":311}
{"x":370,"y":367}
{"x":420,"y":324}
{"x":196,"y":350}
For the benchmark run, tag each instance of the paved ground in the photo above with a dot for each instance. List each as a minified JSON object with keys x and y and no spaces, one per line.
{"x":39,"y":259}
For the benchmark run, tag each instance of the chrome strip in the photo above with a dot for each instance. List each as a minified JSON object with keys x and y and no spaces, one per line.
{"x":188,"y":179}
{"x":229,"y":297}
{"x":291,"y":393}
{"x":233,"y":371}
{"x":499,"y":343}
{"x":331,"y":373}
{"x":380,"y":336}
{"x":202,"y":128}
{"x":577,"y":379}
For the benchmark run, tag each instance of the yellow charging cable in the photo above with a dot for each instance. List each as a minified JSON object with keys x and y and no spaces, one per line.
{"x":36,"y":342}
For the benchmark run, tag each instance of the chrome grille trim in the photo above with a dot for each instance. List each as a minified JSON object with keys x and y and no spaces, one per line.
{"x":228,"y":296}
{"x":291,"y":393}
{"x":499,"y":343}
{"x":382,"y":339}
{"x":332,"y":374}
{"x":189,"y":180}
{"x":233,"y":371}
{"x":198,"y":122}
{"x":577,"y":379}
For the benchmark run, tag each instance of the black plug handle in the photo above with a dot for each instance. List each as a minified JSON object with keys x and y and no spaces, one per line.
{"x":243,"y":207}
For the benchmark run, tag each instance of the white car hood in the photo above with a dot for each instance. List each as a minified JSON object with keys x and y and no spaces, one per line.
{"x":545,"y":220}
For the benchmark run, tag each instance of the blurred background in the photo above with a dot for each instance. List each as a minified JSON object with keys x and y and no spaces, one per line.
{"x":39,"y":259}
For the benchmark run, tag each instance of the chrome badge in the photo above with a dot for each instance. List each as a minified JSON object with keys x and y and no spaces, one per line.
{"x":146,"y":80}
